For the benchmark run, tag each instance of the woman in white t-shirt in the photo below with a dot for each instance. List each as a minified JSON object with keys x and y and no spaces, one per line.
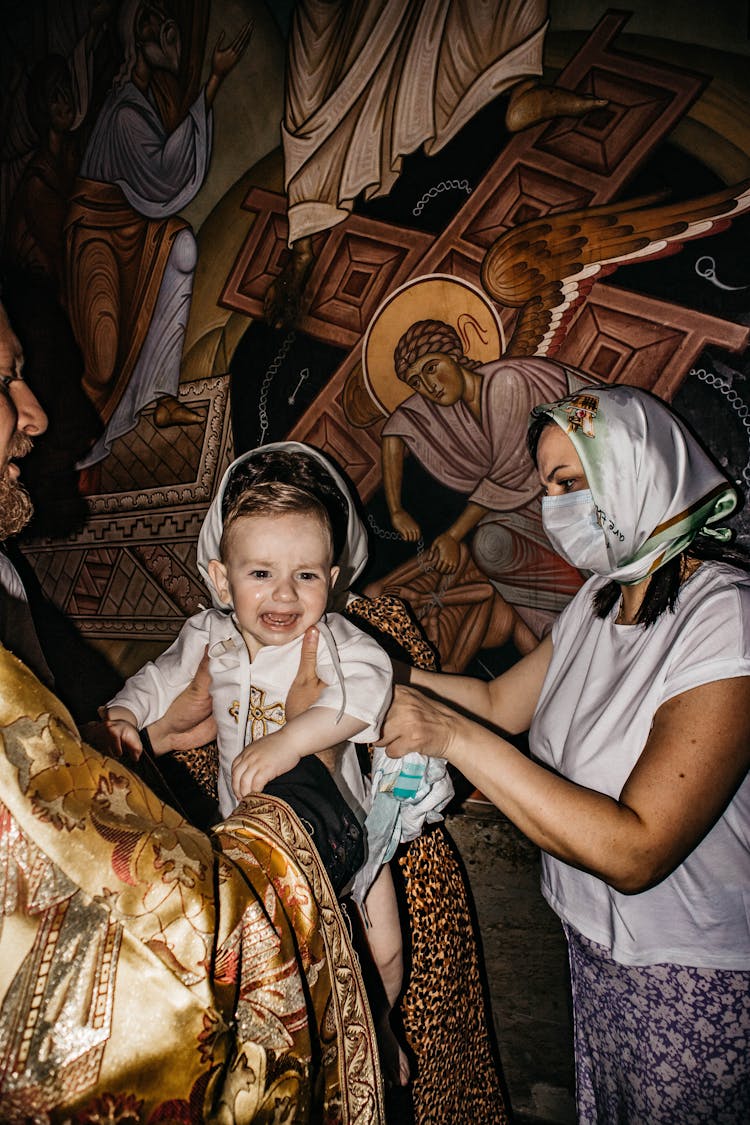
{"x":637,"y":789}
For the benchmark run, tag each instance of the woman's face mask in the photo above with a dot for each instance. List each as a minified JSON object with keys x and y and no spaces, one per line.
{"x":572,"y":527}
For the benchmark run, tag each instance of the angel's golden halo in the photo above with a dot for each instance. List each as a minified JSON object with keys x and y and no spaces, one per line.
{"x":435,"y":296}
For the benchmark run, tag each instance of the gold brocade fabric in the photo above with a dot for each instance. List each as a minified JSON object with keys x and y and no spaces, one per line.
{"x":148,"y":975}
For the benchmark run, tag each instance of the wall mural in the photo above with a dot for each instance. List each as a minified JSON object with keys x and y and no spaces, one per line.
{"x":465,"y":209}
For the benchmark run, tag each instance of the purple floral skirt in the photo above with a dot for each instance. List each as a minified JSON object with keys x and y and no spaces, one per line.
{"x":658,"y":1044}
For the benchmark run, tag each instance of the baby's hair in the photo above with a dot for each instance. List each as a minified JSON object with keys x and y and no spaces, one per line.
{"x":292,"y":467}
{"x":275,"y":498}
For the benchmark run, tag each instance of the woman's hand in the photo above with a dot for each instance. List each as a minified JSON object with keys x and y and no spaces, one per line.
{"x":416,"y":723}
{"x":225,"y":59}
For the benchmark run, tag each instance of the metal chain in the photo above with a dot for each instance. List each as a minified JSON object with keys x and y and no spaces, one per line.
{"x":381,"y":533}
{"x":738,"y":406}
{"x":394,"y":537}
{"x":265,"y":386}
{"x":438,"y":189}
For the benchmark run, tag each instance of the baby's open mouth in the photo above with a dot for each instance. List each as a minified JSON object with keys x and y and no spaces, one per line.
{"x":279,"y":620}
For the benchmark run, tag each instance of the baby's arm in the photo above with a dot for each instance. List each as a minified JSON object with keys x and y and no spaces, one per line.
{"x":276,"y":753}
{"x":146,"y":696}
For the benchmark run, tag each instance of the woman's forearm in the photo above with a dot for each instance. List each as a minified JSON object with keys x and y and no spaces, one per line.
{"x":508,"y":702}
{"x":578,"y":825}
{"x":464,"y":691}
{"x":696,"y":755}
{"x":585,"y":828}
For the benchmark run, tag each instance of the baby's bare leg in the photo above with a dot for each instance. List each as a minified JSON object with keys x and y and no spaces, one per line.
{"x":386,"y":947}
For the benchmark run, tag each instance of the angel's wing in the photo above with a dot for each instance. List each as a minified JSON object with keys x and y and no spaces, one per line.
{"x":547,"y":267}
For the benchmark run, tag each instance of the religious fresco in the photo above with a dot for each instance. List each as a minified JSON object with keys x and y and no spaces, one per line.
{"x":542,"y":200}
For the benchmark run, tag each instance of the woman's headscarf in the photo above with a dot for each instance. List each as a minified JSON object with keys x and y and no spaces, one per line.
{"x":654,"y":486}
{"x":352,"y":554}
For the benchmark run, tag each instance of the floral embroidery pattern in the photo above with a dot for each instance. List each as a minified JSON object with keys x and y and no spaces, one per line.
{"x":142,"y":963}
{"x":666,"y":1044}
{"x":581,"y":412}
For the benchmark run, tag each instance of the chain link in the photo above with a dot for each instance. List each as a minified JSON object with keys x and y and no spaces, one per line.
{"x":739,"y":407}
{"x":705,"y":267}
{"x":265,"y":386}
{"x":381,"y":533}
{"x":394,"y":537}
{"x":438,"y":189}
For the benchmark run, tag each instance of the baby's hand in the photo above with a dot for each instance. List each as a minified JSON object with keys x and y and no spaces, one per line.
{"x":121,"y":738}
{"x":259,"y":763}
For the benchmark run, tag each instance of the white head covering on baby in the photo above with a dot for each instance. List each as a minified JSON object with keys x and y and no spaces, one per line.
{"x":352,"y":558}
{"x":654,"y":487}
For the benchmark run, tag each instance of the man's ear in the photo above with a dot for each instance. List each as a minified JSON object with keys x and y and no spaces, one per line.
{"x":217,"y":572}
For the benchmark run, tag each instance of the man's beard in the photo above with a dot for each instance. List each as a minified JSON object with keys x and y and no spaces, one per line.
{"x":16,"y":508}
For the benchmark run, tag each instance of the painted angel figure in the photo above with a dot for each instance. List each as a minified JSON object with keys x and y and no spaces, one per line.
{"x":466,"y":417}
{"x":466,"y":423}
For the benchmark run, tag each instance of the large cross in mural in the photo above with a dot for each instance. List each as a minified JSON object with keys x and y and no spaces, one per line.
{"x":132,"y":574}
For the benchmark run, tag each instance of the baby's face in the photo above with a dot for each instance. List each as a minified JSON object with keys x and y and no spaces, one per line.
{"x":277,"y":573}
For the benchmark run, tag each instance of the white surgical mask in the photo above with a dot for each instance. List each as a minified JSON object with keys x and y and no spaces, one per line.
{"x":573,"y":529}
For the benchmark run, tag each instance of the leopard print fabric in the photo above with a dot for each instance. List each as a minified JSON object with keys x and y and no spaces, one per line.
{"x":444,"y":1012}
{"x":203,"y":766}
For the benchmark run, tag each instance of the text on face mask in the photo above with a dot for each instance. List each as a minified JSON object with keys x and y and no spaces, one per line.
{"x":608,"y":525}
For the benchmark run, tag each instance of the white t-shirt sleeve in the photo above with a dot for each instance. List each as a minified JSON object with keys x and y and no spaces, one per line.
{"x":368,"y":680}
{"x":150,"y":691}
{"x":713,"y":642}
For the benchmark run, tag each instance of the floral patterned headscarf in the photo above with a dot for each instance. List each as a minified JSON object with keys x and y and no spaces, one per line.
{"x":654,"y":486}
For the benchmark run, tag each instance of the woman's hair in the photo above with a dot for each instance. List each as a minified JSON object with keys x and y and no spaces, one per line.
{"x":534,"y":432}
{"x":425,"y":337}
{"x":664,"y":587}
{"x":293,"y":467}
{"x":273,"y":498}
{"x":663,"y":590}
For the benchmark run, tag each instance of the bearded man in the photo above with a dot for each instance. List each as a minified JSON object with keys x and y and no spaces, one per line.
{"x":21,"y":420}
